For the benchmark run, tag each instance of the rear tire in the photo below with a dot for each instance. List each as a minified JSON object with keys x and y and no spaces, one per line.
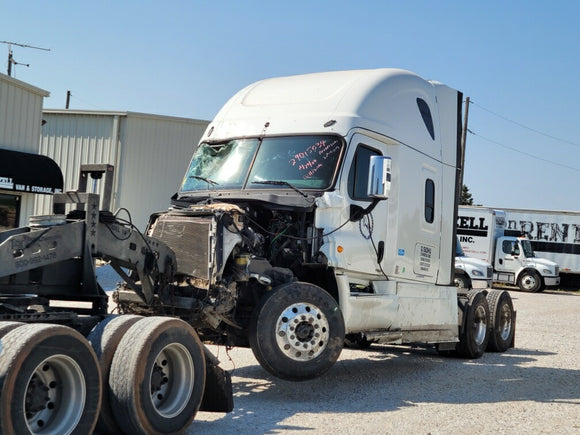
{"x":476,"y":326}
{"x":50,"y":381}
{"x":297,"y":333}
{"x":530,"y":281}
{"x":157,"y":376}
{"x":104,"y":339}
{"x":6,"y":327}
{"x":502,"y":320}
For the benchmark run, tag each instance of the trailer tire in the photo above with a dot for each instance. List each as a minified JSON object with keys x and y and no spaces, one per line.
{"x":474,"y":334}
{"x":6,"y":327}
{"x":50,"y":381}
{"x":530,"y":281}
{"x":104,"y":339}
{"x":297,"y":332}
{"x":502,"y":321}
{"x":157,"y":376}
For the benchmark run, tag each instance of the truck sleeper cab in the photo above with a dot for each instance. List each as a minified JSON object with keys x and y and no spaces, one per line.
{"x":321,"y":207}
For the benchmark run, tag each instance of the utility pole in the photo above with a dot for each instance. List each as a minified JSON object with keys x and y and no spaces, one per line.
{"x":67,"y":99}
{"x":11,"y":60}
{"x":463,"y":140}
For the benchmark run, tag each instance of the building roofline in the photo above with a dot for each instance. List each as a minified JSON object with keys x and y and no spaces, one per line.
{"x":24,"y":85}
{"x":121,"y":113}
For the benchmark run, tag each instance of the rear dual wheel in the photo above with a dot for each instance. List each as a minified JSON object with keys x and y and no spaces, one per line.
{"x":502,"y":319}
{"x":157,"y":376}
{"x":475,"y":330}
{"x":49,"y":381}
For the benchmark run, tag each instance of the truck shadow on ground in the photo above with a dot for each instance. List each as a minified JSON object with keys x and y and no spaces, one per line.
{"x":387,"y":378}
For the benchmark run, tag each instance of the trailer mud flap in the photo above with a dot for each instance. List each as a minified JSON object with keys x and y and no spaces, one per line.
{"x":218,"y":395}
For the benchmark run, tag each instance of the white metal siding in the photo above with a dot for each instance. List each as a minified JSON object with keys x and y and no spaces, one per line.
{"x":150,"y":154}
{"x":20,"y":122}
{"x":75,"y":139}
{"x":155,"y":156}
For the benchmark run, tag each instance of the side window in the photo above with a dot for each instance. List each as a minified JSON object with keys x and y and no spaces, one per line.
{"x":358,"y":176}
{"x":506,"y":247}
{"x":429,"y":200}
{"x":426,"y":115}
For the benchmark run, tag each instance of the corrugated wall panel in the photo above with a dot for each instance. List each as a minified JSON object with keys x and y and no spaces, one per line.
{"x":154,"y":157}
{"x":75,"y":139}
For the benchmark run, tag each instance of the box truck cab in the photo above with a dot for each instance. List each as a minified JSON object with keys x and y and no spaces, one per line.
{"x":481,"y":234}
{"x":471,"y":272}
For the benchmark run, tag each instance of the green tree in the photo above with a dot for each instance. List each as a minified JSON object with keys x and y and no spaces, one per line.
{"x":466,"y":198}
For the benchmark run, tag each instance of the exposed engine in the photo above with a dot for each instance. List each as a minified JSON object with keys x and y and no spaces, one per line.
{"x":228,"y":256}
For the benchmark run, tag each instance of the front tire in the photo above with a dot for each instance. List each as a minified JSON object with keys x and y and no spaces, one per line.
{"x":157,"y":376}
{"x":462,"y":282}
{"x":530,"y":281}
{"x":50,"y":381}
{"x":502,"y":319}
{"x":297,"y":333}
{"x":476,"y":326}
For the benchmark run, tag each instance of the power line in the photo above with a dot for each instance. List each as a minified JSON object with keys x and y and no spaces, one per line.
{"x":523,"y":152}
{"x":519,"y":124}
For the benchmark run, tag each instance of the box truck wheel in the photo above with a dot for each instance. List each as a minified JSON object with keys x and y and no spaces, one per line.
{"x":157,"y":376}
{"x":104,"y":339}
{"x":6,"y":327}
{"x":476,"y":326}
{"x":49,"y":381}
{"x":530,"y":281}
{"x":462,"y":281}
{"x":297,"y":332}
{"x":502,"y":321}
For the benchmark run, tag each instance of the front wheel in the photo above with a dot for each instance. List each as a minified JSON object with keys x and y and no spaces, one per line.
{"x":476,"y":325}
{"x":297,"y":333}
{"x":461,"y":282}
{"x":530,"y":281}
{"x":49,"y":381}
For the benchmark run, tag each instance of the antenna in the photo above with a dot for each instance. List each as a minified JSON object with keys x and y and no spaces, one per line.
{"x":11,"y":60}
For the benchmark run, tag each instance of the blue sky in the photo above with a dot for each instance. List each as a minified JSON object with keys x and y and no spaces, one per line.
{"x":518,"y":61}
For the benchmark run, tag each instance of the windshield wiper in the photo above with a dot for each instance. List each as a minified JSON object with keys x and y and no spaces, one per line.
{"x":281,"y":183}
{"x":207,"y":180}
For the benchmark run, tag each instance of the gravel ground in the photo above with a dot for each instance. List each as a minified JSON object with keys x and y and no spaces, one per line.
{"x":533,"y":388}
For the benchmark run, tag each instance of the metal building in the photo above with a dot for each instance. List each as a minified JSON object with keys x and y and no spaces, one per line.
{"x":25,"y":176}
{"x":150,"y":154}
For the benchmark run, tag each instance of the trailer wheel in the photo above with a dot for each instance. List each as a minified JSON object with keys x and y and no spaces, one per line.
{"x":502,"y":321}
{"x":50,"y":381}
{"x":157,"y":376}
{"x":6,"y":327}
{"x":461,"y":281}
{"x":297,"y":332}
{"x":104,"y":339}
{"x":530,"y":281}
{"x":475,"y":331}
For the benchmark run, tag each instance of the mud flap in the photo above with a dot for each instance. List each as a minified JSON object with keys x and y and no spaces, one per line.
{"x":218,"y":395}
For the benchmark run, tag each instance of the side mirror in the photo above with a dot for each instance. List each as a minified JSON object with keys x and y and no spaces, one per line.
{"x":379,"y":185}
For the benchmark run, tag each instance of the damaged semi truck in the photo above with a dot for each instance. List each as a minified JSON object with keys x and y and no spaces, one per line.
{"x":317,"y":210}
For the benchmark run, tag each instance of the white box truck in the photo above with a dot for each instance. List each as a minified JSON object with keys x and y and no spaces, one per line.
{"x":481,"y":232}
{"x":471,"y":272}
{"x":554,"y":235}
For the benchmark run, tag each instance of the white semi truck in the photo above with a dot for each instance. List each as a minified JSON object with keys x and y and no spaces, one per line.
{"x":317,"y":209}
{"x":481,"y":232}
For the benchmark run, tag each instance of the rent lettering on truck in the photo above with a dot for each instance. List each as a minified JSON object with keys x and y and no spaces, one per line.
{"x":555,"y":235}
{"x":481,"y":233}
